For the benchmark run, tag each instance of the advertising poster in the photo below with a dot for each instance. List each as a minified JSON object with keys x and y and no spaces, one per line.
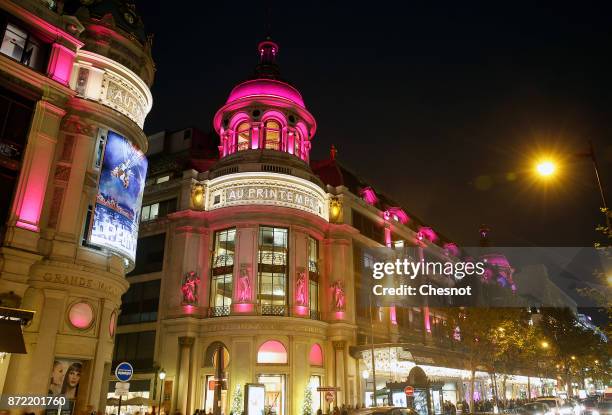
{"x":117,"y":211}
{"x":64,"y":381}
{"x":255,"y":399}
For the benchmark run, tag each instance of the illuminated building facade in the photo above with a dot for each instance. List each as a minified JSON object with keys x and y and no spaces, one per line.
{"x":74,"y":93}
{"x":249,"y":264}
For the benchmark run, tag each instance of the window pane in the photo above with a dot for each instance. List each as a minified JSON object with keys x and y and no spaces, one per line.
{"x":244,"y":136}
{"x":154,"y":211}
{"x":272,"y":136}
{"x":272,"y":267}
{"x":13,"y":42}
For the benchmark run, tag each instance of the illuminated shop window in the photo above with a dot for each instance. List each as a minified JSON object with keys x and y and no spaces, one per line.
{"x":313,"y":277}
{"x":272,"y":269}
{"x":273,"y":134}
{"x":243,"y":134}
{"x":221,"y":287}
{"x":273,"y":352}
{"x":22,"y":46}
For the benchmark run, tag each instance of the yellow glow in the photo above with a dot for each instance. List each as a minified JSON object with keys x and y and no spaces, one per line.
{"x":546,"y":168}
{"x":545,"y":344}
{"x":573,"y":357}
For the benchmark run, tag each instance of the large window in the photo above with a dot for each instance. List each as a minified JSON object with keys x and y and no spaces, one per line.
{"x":313,"y":277}
{"x":243,"y":134}
{"x":297,"y":143}
{"x":149,"y":254}
{"x":137,"y":348}
{"x":157,"y":210}
{"x":273,"y":135}
{"x":221,"y":287}
{"x":23,"y":47}
{"x":140,"y":303}
{"x":273,"y":269}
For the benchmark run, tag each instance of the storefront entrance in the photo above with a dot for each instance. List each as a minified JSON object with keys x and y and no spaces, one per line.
{"x":209,"y":394}
{"x":275,"y":393}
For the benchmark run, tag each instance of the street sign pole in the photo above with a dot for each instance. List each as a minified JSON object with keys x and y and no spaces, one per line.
{"x":119,"y":409}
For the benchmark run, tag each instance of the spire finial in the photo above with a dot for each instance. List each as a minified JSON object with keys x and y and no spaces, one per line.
{"x":332,"y":152}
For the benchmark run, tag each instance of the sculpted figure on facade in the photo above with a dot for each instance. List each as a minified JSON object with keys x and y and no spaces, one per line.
{"x":189,"y":288}
{"x":244,"y":284}
{"x":300,"y":288}
{"x":339,"y":296}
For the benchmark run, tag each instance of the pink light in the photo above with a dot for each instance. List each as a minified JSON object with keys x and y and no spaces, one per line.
{"x":426,"y":318}
{"x":272,"y":351}
{"x":452,"y":249}
{"x":398,"y":214}
{"x":301,"y":310}
{"x":368,"y":194}
{"x":81,"y":315}
{"x":316,"y":355}
{"x":388,"y":239}
{"x":189,"y":309}
{"x":243,"y":308}
{"x":427,"y":233}
{"x":339,"y":315}
{"x":27,"y":226}
{"x":60,"y":63}
{"x":393,"y":315}
{"x":266,"y":87}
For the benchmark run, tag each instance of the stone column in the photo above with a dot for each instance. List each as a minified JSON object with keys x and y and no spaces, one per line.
{"x":99,"y":364}
{"x":24,"y":221}
{"x":245,"y":270}
{"x":26,"y":370}
{"x":340,"y":371}
{"x":184,"y":374}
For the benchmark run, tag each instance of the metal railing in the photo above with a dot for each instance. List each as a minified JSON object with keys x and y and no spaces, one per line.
{"x":273,"y":310}
{"x":219,"y":311}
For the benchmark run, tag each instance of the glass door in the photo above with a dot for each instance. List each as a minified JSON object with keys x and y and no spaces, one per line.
{"x":274,"y":393}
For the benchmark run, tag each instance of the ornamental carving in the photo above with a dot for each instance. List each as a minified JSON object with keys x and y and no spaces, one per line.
{"x":197,"y":196}
{"x":338,"y":296}
{"x":244,"y":284}
{"x":300,"y":288}
{"x":189,"y":288}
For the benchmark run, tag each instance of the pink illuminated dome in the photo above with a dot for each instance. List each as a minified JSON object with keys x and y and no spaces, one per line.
{"x":265,"y":112}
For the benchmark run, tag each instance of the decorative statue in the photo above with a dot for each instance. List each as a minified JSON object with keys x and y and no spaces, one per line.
{"x":300,"y":288}
{"x":189,"y":288}
{"x":244,"y":284}
{"x":339,"y":297}
{"x":197,"y":196}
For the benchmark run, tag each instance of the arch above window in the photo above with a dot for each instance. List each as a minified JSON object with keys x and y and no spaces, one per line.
{"x":315,"y":357}
{"x":273,"y":352}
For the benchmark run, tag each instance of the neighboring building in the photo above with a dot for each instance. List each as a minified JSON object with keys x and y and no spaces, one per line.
{"x":249,"y":264}
{"x":74,"y":87}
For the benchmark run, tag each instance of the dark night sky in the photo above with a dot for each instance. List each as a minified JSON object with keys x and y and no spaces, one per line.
{"x":433,"y":104}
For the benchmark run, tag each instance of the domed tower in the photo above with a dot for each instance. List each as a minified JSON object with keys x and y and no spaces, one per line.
{"x":77,"y":76}
{"x":265,"y":121}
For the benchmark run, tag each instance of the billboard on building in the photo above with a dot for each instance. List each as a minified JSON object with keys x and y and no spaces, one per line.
{"x":64,"y":381}
{"x":117,"y":211}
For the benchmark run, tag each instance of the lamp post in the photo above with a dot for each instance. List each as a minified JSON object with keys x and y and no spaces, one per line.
{"x":547,"y":168}
{"x":162,"y":376}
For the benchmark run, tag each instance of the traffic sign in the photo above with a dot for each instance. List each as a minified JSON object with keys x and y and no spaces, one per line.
{"x":328,"y":389}
{"x":329,"y":397}
{"x":124,"y":371}
{"x":122,"y":388}
{"x":409,"y":391}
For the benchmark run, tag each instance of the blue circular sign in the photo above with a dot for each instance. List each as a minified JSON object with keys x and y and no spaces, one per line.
{"x":124,"y":371}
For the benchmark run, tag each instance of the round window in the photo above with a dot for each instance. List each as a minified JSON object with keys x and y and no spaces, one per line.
{"x":81,"y":315}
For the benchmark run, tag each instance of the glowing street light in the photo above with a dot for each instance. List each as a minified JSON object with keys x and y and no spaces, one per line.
{"x":546,"y":168}
{"x":544,"y":344}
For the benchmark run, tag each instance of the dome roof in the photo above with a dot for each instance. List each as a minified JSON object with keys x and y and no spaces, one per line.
{"x":266,"y":88}
{"x":123,"y":13}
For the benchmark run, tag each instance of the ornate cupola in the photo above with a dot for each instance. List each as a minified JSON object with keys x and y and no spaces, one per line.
{"x":264,"y":121}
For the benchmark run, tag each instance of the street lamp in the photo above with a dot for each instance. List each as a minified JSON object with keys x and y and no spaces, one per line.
{"x":544,"y":344}
{"x":546,"y":168}
{"x":162,"y":376}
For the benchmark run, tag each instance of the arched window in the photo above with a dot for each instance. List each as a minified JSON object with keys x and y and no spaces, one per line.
{"x":272,"y":135}
{"x":315,"y":357}
{"x":297,"y":143}
{"x":272,"y":351}
{"x":243,"y":134}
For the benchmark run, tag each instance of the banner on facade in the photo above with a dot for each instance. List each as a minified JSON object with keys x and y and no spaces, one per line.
{"x":119,"y":199}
